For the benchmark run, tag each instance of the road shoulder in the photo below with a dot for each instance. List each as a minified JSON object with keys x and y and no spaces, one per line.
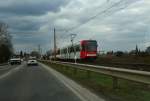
{"x":83,"y":93}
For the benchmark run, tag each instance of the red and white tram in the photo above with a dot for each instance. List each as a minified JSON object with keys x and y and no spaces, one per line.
{"x":85,"y":49}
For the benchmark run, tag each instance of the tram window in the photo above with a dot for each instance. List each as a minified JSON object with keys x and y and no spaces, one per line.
{"x":58,"y":52}
{"x":83,"y":47}
{"x":72,"y":50}
{"x":63,"y":51}
{"x":77,"y":48}
{"x":91,"y":46}
{"x":66,"y":50}
{"x":69,"y":49}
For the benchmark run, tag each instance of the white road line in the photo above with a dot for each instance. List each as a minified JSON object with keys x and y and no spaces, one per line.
{"x":4,"y":67}
{"x":11,"y":71}
{"x":83,"y":93}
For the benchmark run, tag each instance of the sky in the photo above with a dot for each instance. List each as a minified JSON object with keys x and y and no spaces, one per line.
{"x":115,"y":24}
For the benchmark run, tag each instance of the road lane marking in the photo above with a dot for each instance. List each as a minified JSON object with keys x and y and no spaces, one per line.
{"x":11,"y":71}
{"x":4,"y":68}
{"x":81,"y":92}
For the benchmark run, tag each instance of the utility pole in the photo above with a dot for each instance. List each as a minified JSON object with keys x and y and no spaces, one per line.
{"x":54,"y":44}
{"x":72,"y":40}
{"x":39,"y":50}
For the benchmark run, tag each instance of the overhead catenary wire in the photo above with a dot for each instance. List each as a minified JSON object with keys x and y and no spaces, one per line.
{"x":68,"y":31}
{"x":93,"y":17}
{"x":105,"y":11}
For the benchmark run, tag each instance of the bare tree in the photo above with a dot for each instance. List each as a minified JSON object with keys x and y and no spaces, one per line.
{"x":5,"y":43}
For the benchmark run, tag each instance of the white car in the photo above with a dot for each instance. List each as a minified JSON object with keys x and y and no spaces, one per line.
{"x":15,"y":61}
{"x":32,"y":62}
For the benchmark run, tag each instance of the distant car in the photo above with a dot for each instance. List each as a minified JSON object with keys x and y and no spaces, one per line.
{"x":32,"y":62}
{"x":14,"y":61}
{"x":22,"y":60}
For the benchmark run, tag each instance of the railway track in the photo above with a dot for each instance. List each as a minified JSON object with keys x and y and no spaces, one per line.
{"x":133,"y":66}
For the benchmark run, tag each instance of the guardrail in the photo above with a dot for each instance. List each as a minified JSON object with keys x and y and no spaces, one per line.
{"x":116,"y":73}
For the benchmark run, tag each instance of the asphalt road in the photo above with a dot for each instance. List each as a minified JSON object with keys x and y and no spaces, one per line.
{"x":34,"y":83}
{"x":5,"y":68}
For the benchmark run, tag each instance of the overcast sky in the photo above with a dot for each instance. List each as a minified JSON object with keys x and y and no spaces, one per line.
{"x":115,"y":25}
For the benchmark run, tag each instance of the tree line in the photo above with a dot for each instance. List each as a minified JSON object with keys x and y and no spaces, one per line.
{"x":6,"y":48}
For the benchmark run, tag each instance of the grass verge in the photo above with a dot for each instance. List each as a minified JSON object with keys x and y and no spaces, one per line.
{"x":102,"y":85}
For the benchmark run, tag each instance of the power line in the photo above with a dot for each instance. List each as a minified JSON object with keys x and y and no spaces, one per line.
{"x":93,"y":17}
{"x":105,"y":11}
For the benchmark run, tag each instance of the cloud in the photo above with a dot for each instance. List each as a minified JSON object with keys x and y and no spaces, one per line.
{"x":31,"y":7}
{"x":32,"y":22}
{"x":116,"y":30}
